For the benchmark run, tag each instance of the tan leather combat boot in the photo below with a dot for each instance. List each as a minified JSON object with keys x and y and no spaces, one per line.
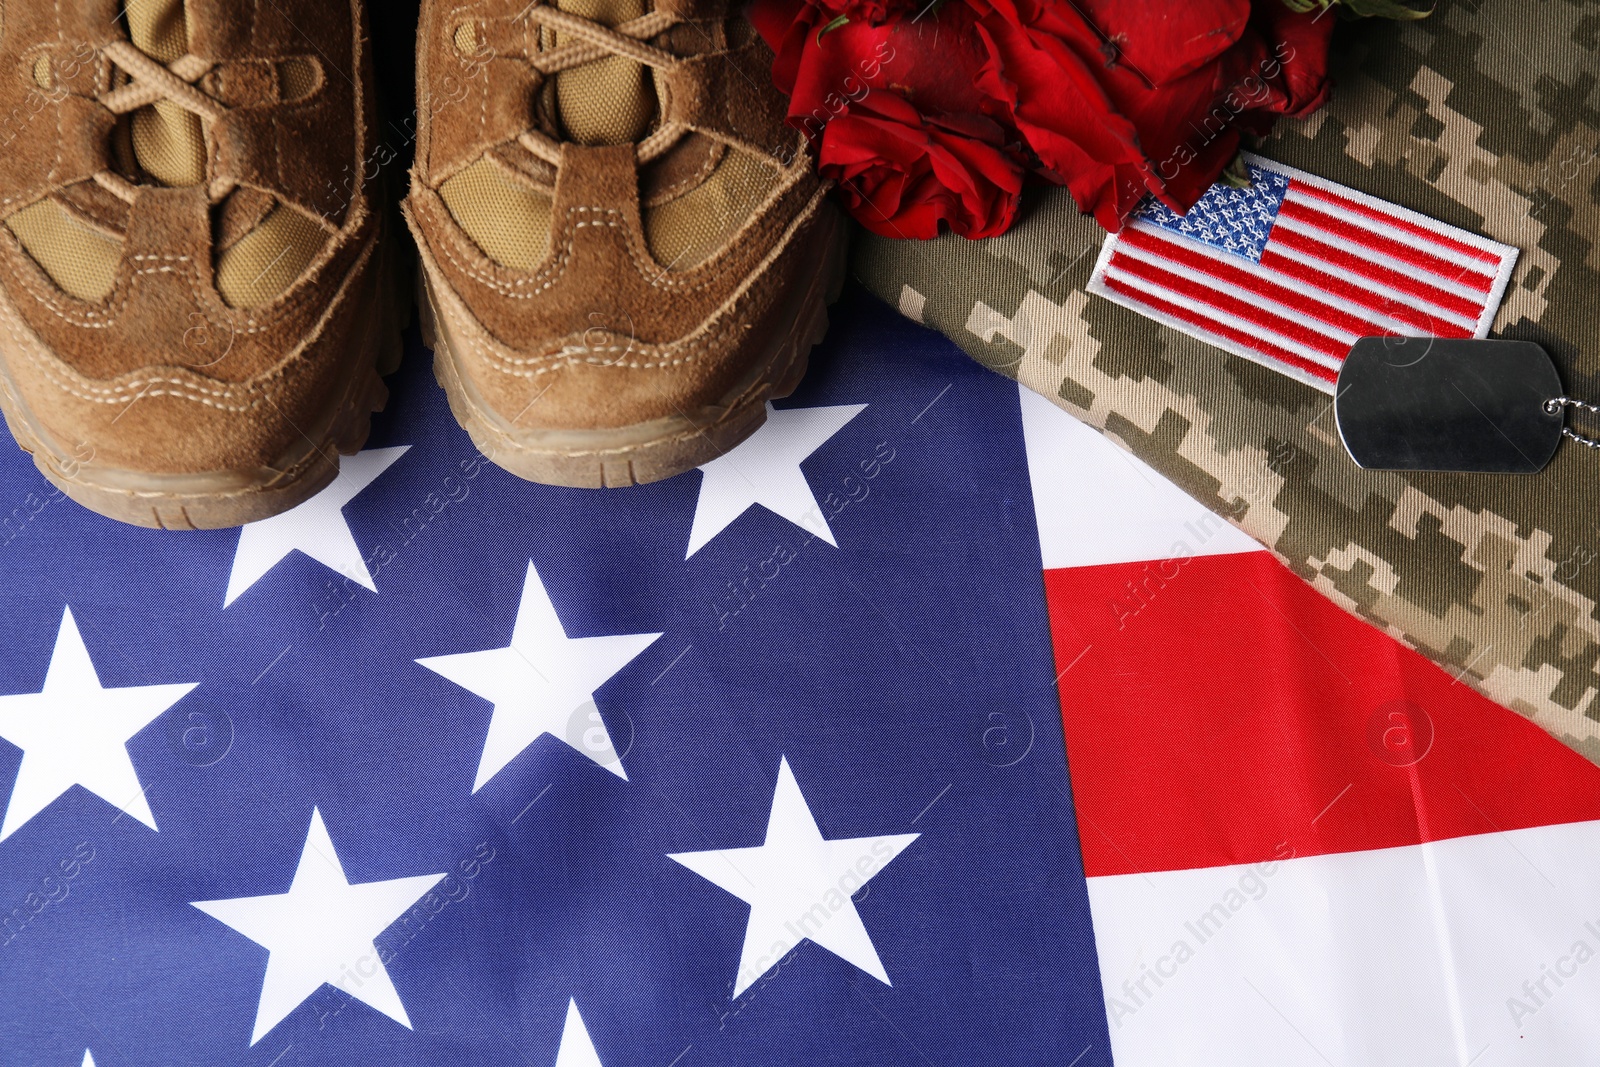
{"x":625,"y":251}
{"x":192,"y":299}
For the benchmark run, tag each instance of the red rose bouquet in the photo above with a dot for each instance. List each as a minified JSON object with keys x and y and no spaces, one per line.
{"x":934,"y":113}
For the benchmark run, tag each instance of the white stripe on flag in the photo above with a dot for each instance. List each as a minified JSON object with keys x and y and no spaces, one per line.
{"x":1097,"y":504}
{"x":1394,"y":295}
{"x":1378,"y":319}
{"x":1297,"y":315}
{"x":1444,"y":283}
{"x":1217,"y":315}
{"x":1482,"y":949}
{"x":1471,"y":263}
{"x":1266,"y":359}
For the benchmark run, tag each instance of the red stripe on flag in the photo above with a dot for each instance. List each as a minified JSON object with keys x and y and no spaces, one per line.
{"x":1490,"y":259}
{"x":1416,"y":257}
{"x":1219,"y":710}
{"x":1181,"y":253}
{"x":1247,"y":340}
{"x":1223,"y":301}
{"x":1365,"y":297}
{"x":1402,"y":283}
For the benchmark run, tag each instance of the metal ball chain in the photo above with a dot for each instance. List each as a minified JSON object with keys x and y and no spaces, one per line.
{"x":1556,"y":404}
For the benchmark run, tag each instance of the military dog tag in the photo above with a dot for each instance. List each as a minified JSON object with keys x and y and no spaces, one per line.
{"x":1447,"y":404}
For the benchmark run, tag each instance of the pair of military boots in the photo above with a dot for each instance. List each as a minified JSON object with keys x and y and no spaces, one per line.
{"x":623,"y":252}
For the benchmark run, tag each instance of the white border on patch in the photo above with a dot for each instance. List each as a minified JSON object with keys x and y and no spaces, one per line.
{"x":1508,"y":261}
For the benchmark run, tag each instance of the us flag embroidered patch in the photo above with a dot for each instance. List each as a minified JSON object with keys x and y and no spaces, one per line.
{"x":1293,"y":270}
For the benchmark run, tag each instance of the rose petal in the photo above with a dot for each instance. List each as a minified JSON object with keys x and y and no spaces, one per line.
{"x":1165,"y":39}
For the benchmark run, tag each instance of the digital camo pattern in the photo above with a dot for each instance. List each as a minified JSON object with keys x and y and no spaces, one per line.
{"x":1485,"y":116}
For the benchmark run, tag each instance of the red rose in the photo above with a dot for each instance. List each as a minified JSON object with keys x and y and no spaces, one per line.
{"x":1111,"y":99}
{"x":902,"y":173}
{"x":931,"y":62}
{"x":869,"y":11}
{"x":1119,"y":101}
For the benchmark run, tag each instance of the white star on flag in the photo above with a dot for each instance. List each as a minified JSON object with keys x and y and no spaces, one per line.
{"x":543,"y":682}
{"x":316,"y":527}
{"x":576,"y":1049}
{"x":765,"y":470}
{"x":76,"y":732}
{"x":321,"y":932}
{"x":799,"y":886}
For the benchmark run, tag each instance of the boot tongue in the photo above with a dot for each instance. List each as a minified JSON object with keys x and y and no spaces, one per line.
{"x":262,"y":244}
{"x":168,"y":142}
{"x":608,"y":101}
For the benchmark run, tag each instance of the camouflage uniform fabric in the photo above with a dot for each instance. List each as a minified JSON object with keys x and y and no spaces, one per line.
{"x":1485,"y":116}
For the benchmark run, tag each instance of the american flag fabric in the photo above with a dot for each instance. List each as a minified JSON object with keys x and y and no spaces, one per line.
{"x":758,"y":765}
{"x":925,"y":728}
{"x":1293,"y":270}
{"x":1305,"y":844}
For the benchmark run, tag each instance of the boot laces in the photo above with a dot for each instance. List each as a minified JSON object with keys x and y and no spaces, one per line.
{"x":150,"y":83}
{"x":597,"y":41}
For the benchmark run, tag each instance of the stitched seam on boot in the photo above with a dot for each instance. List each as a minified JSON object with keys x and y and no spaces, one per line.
{"x":693,"y":347}
{"x":135,"y":387}
{"x":687,"y":183}
{"x":657,"y":277}
{"x":88,"y":317}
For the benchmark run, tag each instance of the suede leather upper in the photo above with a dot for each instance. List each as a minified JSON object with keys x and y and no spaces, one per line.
{"x":163,"y":376}
{"x":600,"y":333}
